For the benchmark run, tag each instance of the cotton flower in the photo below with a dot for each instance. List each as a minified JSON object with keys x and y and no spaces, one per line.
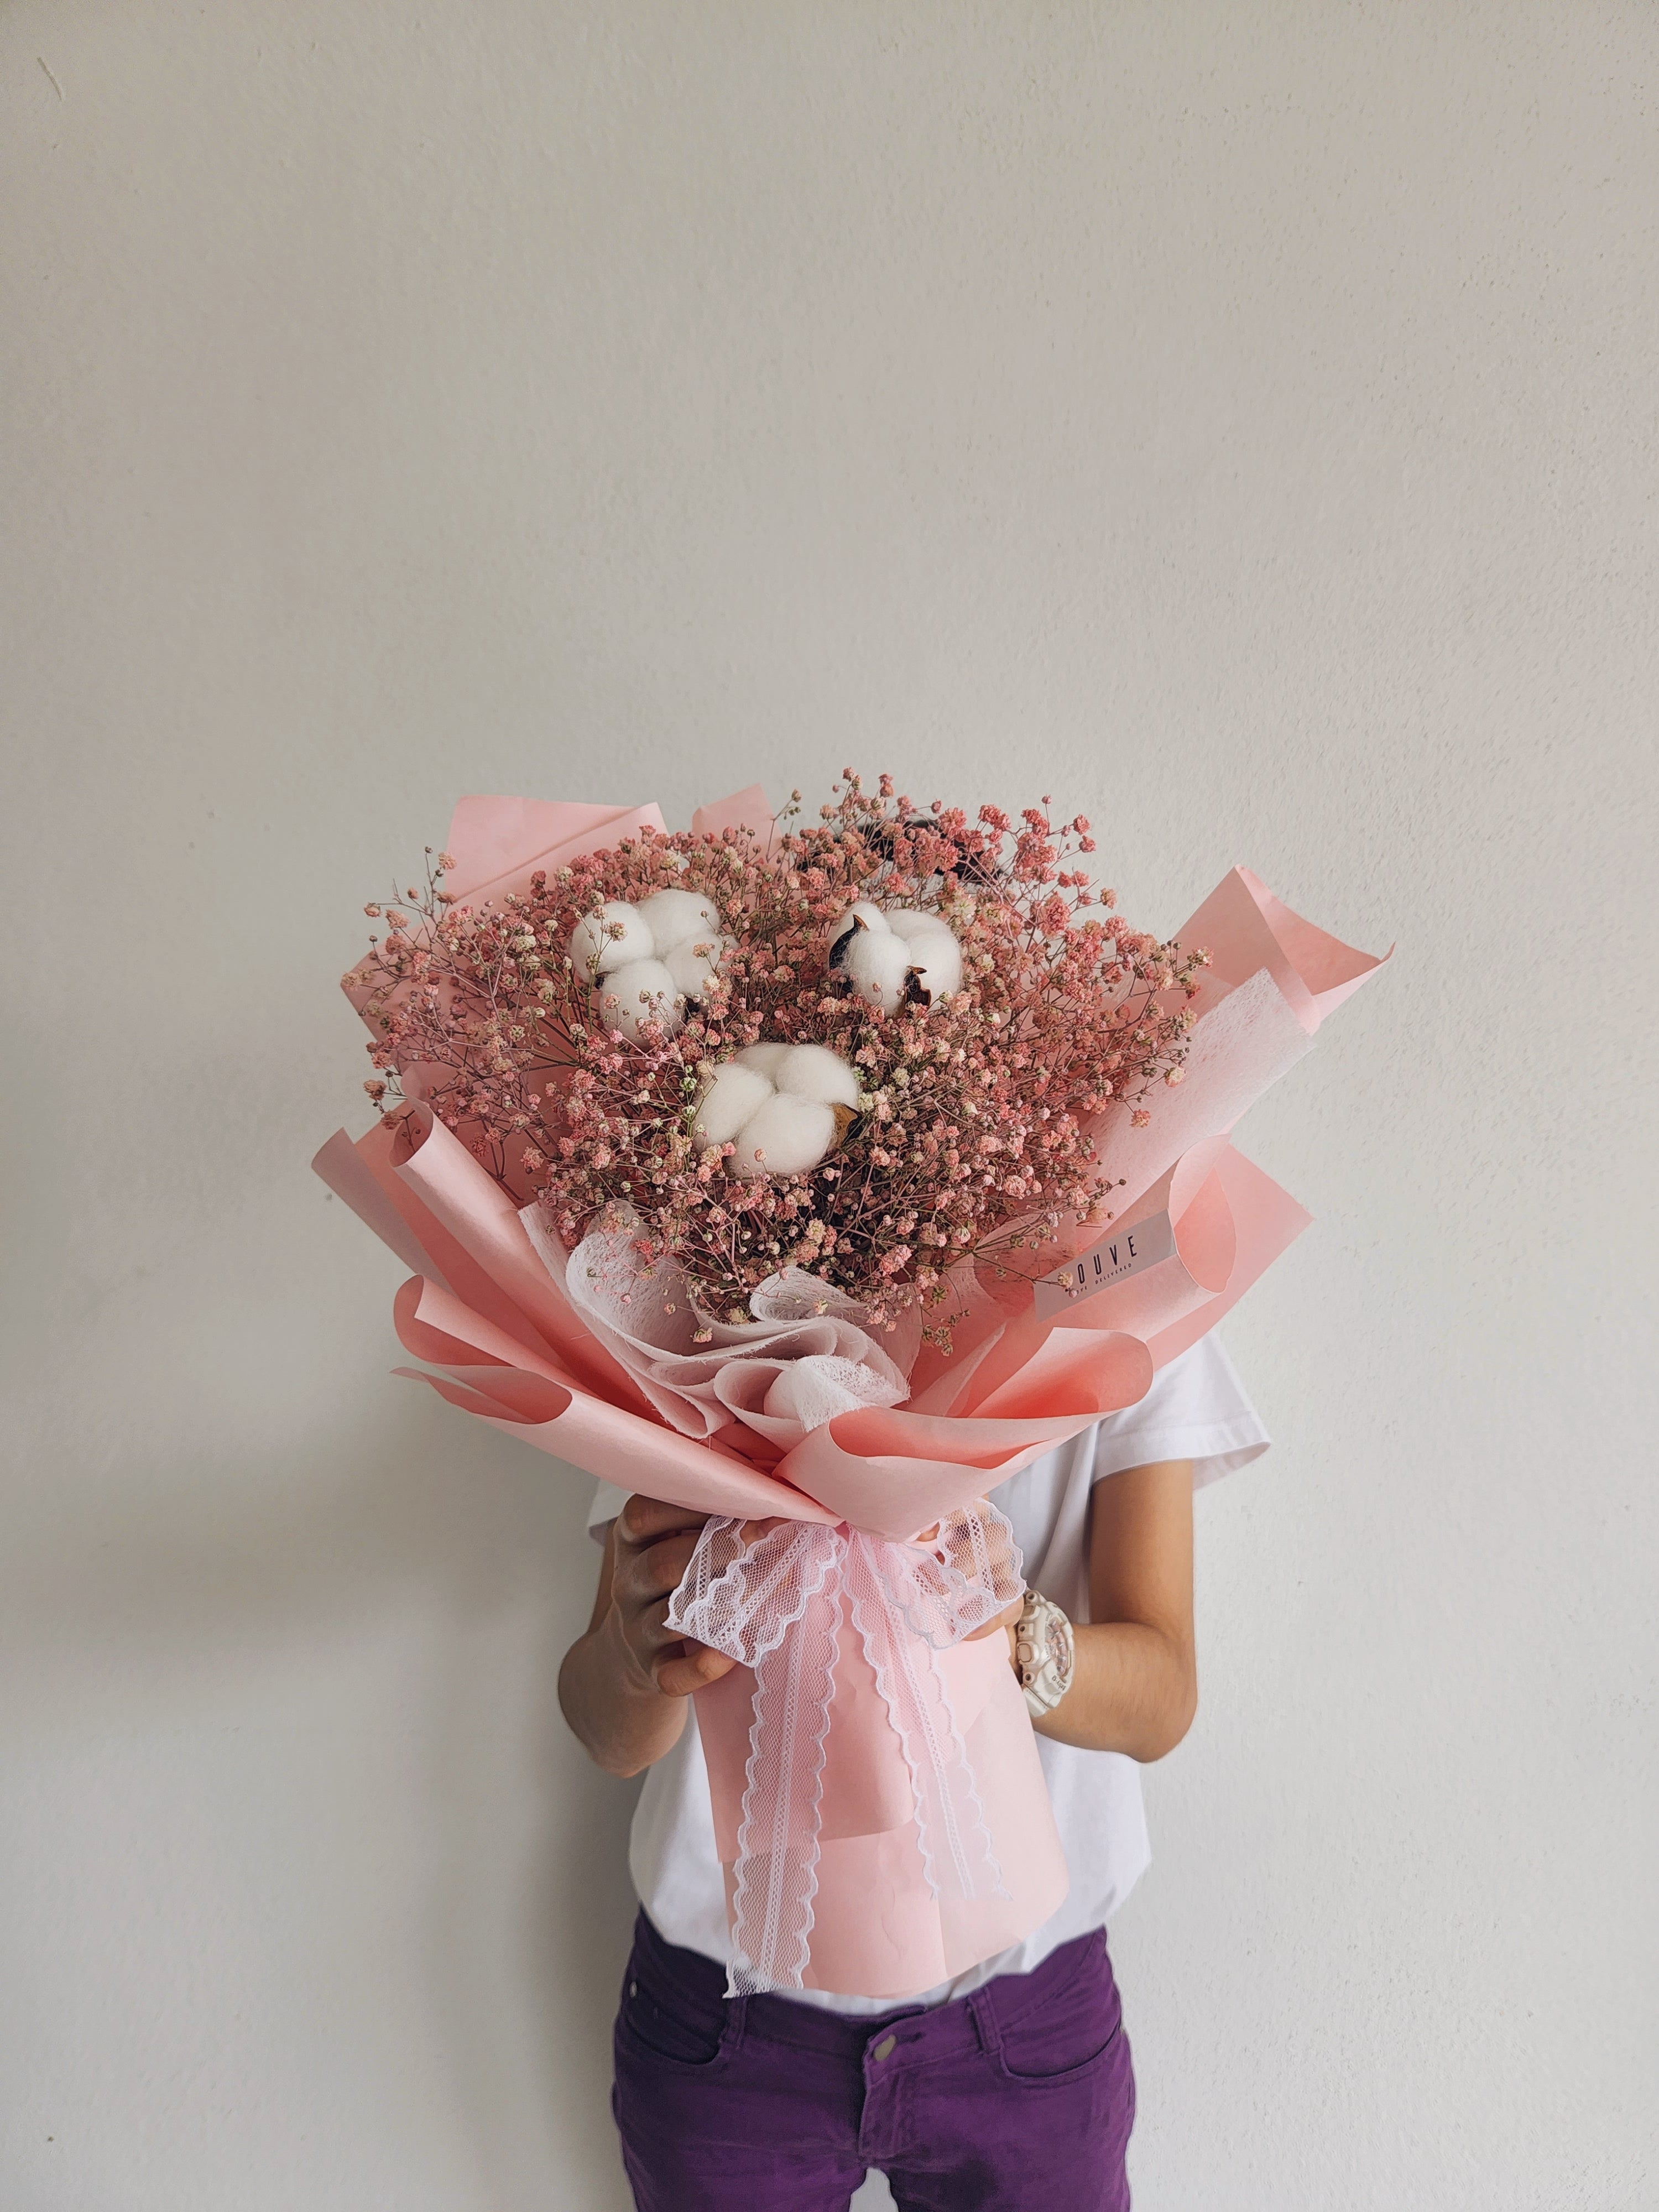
{"x":896,"y":954}
{"x":649,"y":959}
{"x":613,"y":938}
{"x":643,"y":991}
{"x":783,"y":1107}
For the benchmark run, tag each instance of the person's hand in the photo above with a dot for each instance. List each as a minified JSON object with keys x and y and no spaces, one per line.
{"x":1007,"y":1621}
{"x":654,"y":1547}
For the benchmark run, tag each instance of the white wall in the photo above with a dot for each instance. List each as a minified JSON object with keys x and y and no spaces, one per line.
{"x":1239,"y":421}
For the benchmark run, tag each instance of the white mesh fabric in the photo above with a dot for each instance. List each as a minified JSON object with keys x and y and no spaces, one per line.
{"x":774,"y":1602}
{"x":699,"y":1373}
{"x":777,"y":1871}
{"x":958,"y":1578}
{"x":741,"y":1596}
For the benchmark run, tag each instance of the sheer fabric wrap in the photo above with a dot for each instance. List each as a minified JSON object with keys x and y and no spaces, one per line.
{"x":779,"y":1602}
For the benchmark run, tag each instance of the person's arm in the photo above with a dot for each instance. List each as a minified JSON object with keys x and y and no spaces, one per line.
{"x":1135,"y":1685}
{"x":623,"y":1685}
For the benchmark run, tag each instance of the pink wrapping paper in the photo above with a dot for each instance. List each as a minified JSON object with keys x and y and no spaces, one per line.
{"x":878,"y":1929}
{"x":498,"y":1340}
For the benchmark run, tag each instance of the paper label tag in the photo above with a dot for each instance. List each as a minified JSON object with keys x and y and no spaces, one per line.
{"x":1120,"y":1254}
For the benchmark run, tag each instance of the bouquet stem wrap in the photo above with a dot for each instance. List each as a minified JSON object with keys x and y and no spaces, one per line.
{"x":779,"y":1602}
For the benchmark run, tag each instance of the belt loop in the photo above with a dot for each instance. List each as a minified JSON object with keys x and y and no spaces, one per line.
{"x":737,"y":2024}
{"x":982,"y":2012}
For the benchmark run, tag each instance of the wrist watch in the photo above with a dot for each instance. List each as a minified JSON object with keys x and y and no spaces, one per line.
{"x":1044,"y":1653}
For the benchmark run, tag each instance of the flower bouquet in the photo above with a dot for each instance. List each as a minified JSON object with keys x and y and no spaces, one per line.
{"x":818,"y":1175}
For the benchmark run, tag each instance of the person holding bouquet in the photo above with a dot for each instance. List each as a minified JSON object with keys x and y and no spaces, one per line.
{"x":856,"y":1200}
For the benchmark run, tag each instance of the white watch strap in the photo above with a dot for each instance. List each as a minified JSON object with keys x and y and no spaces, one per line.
{"x":1043,"y":1654}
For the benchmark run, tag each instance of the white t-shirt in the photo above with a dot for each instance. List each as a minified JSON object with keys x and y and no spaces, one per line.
{"x":1196,"y":1409}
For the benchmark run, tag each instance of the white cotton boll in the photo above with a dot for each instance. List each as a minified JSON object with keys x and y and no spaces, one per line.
{"x":690,"y":967}
{"x":813,"y":1071}
{"x":679,"y":918}
{"x":871,"y":916}
{"x":934,"y":949}
{"x":793,"y":1133}
{"x":781,"y":1106}
{"x":769,"y":1057}
{"x":877,"y":964}
{"x":910,"y":923}
{"x":644,"y":991}
{"x":939,"y":956}
{"x":594,"y":949}
{"x":734,"y":1093}
{"x":877,"y":958}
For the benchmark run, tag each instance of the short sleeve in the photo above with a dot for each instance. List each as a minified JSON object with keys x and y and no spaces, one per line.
{"x":608,"y":1502}
{"x":1196,"y":1409}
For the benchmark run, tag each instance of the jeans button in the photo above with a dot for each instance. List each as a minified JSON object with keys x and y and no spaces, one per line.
{"x":885,"y":2048}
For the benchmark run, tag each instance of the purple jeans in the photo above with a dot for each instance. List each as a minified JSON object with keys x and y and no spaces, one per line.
{"x":1017,"y":2097}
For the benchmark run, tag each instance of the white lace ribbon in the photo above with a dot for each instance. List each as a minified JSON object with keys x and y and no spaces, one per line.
{"x":777,"y":1604}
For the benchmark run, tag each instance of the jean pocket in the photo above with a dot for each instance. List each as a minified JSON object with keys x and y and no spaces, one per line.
{"x":1067,"y":2033}
{"x":660,"y":2023}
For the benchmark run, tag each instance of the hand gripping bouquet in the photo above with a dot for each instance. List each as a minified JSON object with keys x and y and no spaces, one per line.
{"x":819,"y":1176}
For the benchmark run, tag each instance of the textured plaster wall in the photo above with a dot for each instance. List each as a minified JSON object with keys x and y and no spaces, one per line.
{"x":1239,"y":421}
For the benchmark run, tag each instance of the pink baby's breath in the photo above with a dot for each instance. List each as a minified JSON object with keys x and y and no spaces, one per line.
{"x":980,"y":1113}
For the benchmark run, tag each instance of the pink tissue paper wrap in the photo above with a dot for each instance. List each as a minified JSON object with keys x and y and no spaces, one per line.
{"x":489,"y":1310}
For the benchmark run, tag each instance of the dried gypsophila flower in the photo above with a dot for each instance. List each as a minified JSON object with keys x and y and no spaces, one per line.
{"x":977,"y":1105}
